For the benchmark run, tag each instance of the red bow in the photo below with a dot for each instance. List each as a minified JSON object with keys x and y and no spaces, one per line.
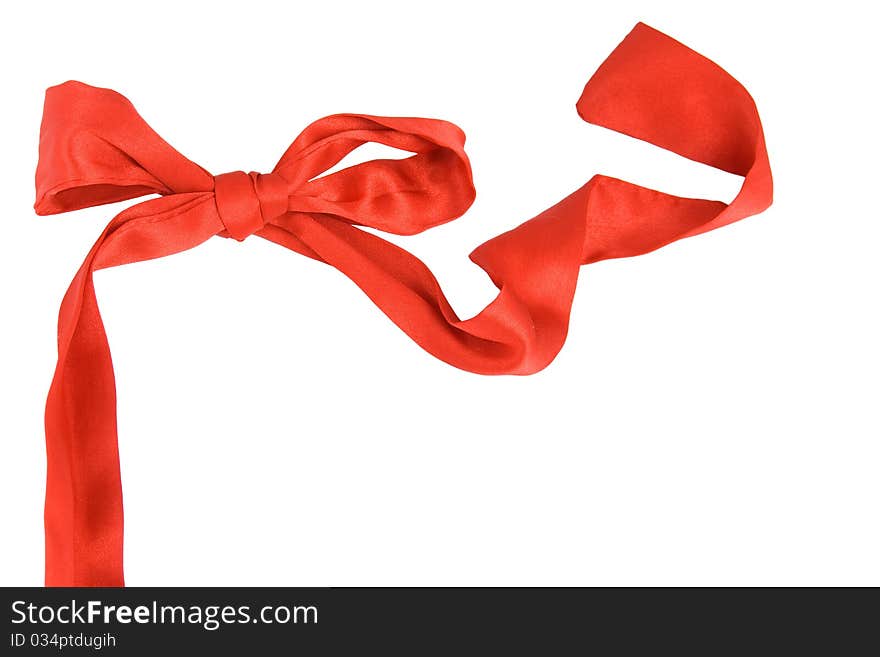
{"x":96,"y":149}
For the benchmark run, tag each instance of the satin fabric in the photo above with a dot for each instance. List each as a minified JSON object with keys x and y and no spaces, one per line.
{"x":96,"y":149}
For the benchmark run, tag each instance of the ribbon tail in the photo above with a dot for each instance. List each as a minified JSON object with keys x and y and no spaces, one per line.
{"x":83,"y":512}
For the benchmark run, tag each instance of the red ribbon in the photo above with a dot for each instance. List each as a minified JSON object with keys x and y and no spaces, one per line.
{"x":96,"y":149}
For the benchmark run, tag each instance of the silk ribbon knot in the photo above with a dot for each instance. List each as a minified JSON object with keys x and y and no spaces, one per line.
{"x":96,"y":149}
{"x":247,"y":201}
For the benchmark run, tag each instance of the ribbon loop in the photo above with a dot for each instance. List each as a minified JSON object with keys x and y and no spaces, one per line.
{"x":95,"y":148}
{"x":403,"y":196}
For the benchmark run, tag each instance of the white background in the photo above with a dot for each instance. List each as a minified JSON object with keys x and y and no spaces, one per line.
{"x":712,"y":419}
